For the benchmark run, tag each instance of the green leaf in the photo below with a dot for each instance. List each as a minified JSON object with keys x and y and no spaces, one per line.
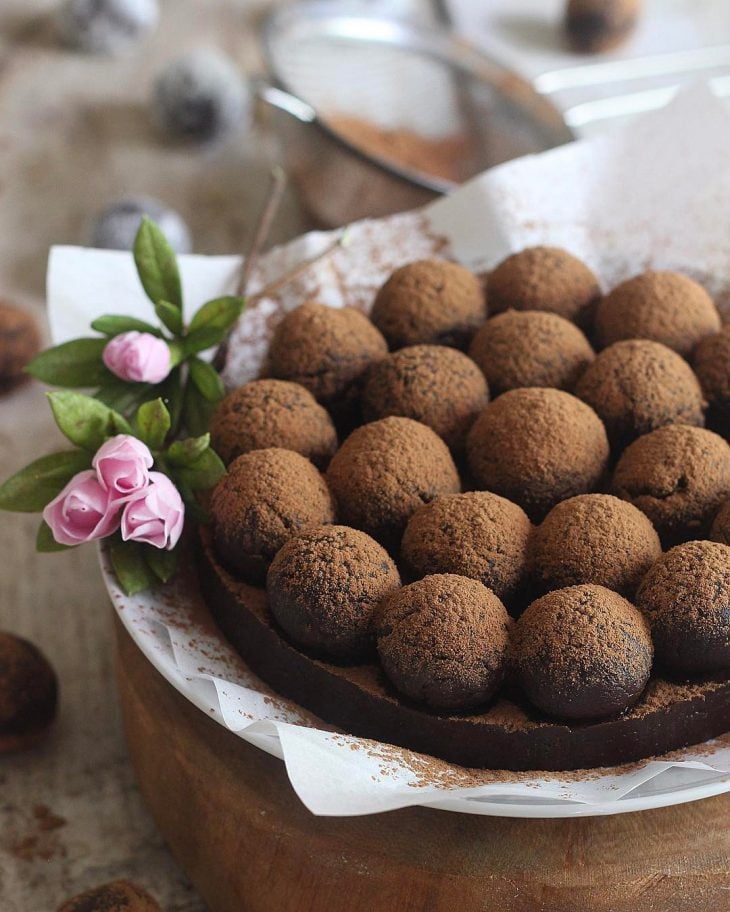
{"x":201,"y":339}
{"x":130,"y":566}
{"x":171,"y":393}
{"x":203,"y":473}
{"x":84,"y":420}
{"x":153,"y":423}
{"x":156,"y":265}
{"x":207,"y":380}
{"x":75,"y":363}
{"x":170,"y":316}
{"x":193,"y":511}
{"x":197,"y":411}
{"x":30,"y":489}
{"x":45,"y":543}
{"x":221,"y":313}
{"x":122,"y":395}
{"x":112,"y":325}
{"x":185,"y":452}
{"x":162,"y":563}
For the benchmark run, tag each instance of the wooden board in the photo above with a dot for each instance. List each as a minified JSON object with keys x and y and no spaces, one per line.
{"x":230,"y":816}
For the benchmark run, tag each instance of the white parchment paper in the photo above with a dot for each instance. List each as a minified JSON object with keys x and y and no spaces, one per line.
{"x":656,"y":194}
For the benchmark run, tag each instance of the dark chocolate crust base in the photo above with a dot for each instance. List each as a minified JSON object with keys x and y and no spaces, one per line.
{"x":507,"y":736}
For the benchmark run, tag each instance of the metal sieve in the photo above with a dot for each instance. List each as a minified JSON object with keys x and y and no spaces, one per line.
{"x":380,"y":115}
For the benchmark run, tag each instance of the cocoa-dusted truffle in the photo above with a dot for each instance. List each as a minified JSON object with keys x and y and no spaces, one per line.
{"x":323,"y":587}
{"x":327,"y":350}
{"x":582,"y":653}
{"x":678,"y":476}
{"x":436,"y":385}
{"x":385,"y":471}
{"x":593,"y":538}
{"x":118,"y":896}
{"x":711,"y":362}
{"x":636,"y":386}
{"x":536,"y":447}
{"x":544,"y":278}
{"x":19,"y":342}
{"x":593,"y":26}
{"x":443,"y":641}
{"x":686,"y":596}
{"x":429,"y":301}
{"x":266,"y":497}
{"x":530,"y":348}
{"x":720,"y":531}
{"x":273,"y":413}
{"x":28,"y":694}
{"x":666,"y":307}
{"x":476,"y":534}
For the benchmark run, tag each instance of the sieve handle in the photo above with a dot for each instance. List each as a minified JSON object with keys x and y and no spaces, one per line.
{"x":284,"y":101}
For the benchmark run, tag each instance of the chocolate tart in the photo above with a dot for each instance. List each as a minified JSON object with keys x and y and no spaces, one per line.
{"x":508,"y":735}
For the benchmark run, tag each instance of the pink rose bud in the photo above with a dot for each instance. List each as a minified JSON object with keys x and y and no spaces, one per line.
{"x":137,"y":356}
{"x":123,"y":466}
{"x":83,"y":511}
{"x":157,"y":516}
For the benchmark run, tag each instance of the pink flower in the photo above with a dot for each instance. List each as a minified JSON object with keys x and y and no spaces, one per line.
{"x":156,"y":516}
{"x":83,"y":511}
{"x":123,"y":466}
{"x":138,"y":356}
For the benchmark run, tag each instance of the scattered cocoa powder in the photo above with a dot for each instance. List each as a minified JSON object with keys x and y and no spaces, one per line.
{"x":444,"y":641}
{"x":536,"y":447}
{"x":530,"y":348}
{"x":266,"y":497}
{"x":593,"y":538}
{"x":636,"y":386}
{"x":118,"y":896}
{"x":711,"y":360}
{"x":436,"y":385}
{"x":323,"y":587}
{"x":666,"y":307}
{"x":442,"y":157}
{"x":544,"y":278}
{"x":582,"y":653}
{"x":327,"y":350}
{"x":686,"y":596}
{"x":273,"y":413}
{"x":429,"y":301}
{"x":679,"y":476}
{"x":385,"y":471}
{"x":477,"y":534}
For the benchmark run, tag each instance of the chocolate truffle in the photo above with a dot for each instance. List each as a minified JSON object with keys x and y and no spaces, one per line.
{"x":430,"y":301}
{"x":327,"y":350}
{"x":266,"y":497}
{"x":686,"y":597}
{"x":536,"y":447}
{"x":433,"y":384}
{"x":678,"y":476}
{"x":19,"y":342}
{"x":443,"y":641}
{"x":637,"y":386}
{"x":323,"y":587}
{"x":593,"y":538}
{"x":273,"y":413}
{"x":477,"y":534}
{"x":711,"y":361}
{"x":28,"y":694}
{"x":530,"y":348}
{"x":720,"y":531}
{"x":582,"y":653}
{"x":544,"y":278}
{"x":666,"y":307}
{"x":385,"y":471}
{"x":119,"y":896}
{"x":593,"y":26}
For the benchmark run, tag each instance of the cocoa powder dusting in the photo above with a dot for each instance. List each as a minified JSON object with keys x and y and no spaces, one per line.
{"x":711,"y":360}
{"x":118,"y":896}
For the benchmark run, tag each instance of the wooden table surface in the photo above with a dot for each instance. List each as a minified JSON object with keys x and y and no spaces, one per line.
{"x":74,"y":135}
